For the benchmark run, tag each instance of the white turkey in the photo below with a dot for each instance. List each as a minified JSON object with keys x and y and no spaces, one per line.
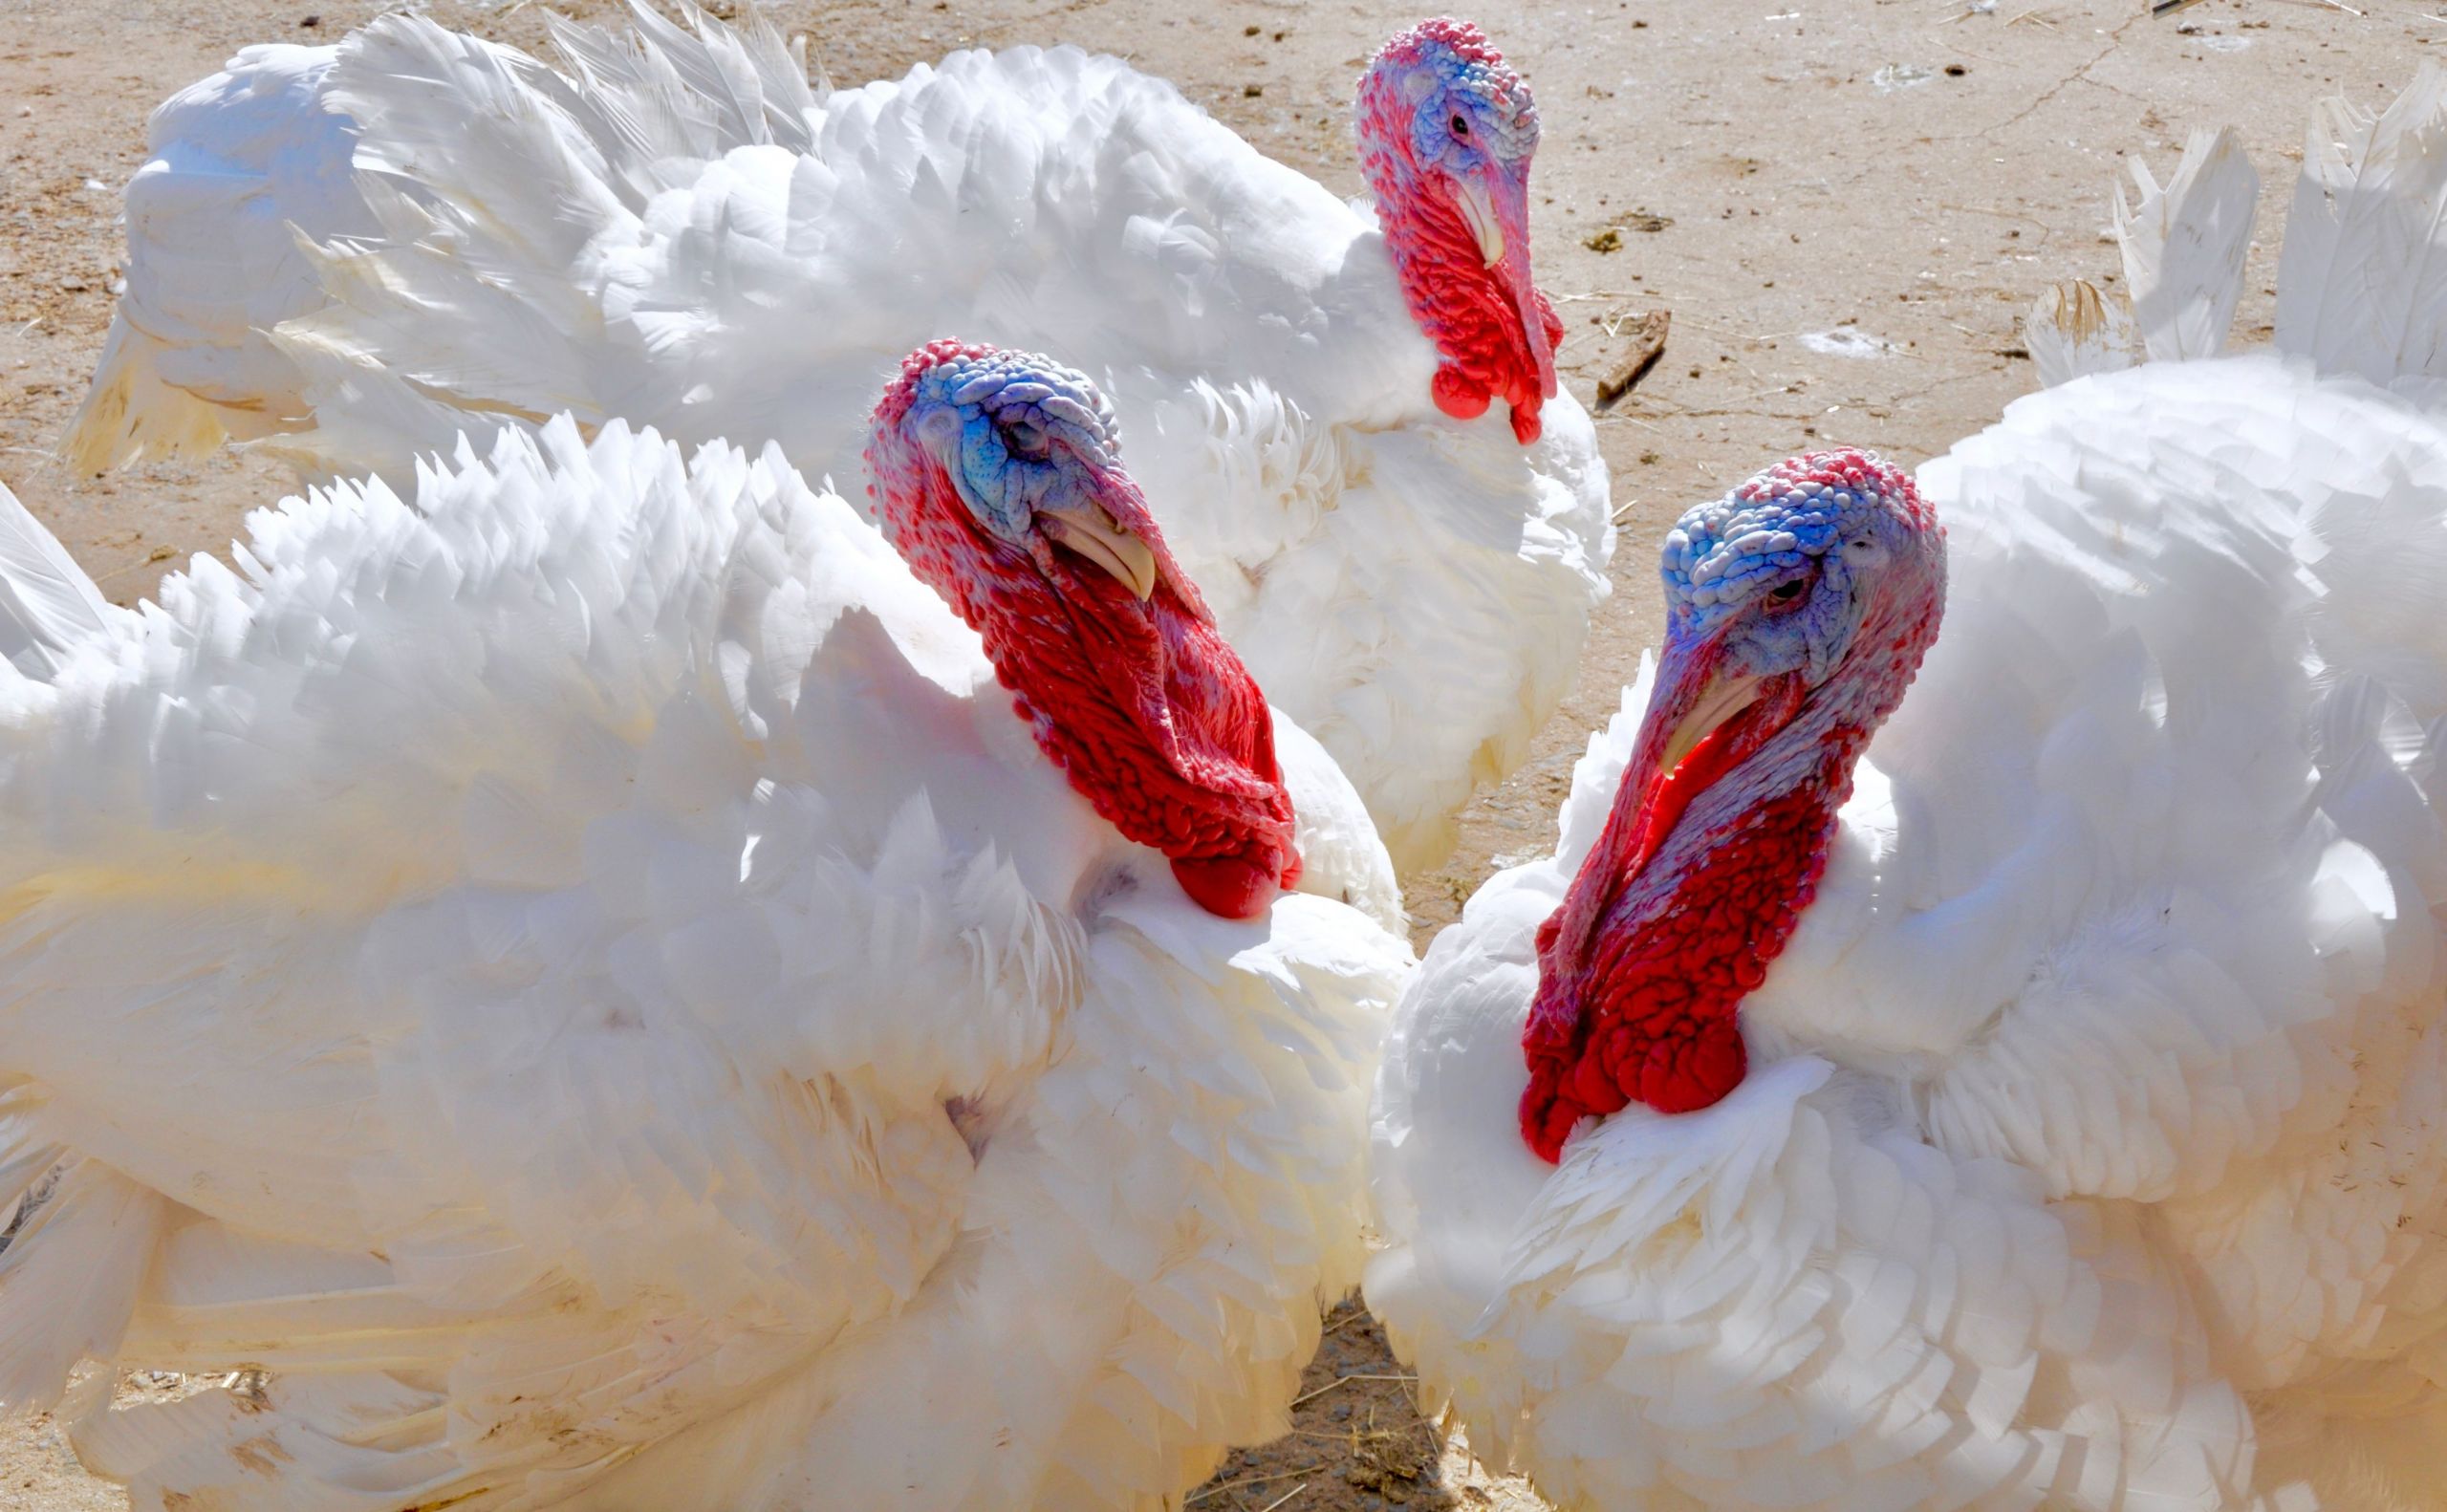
{"x":674,"y":229}
{"x":2037,"y":1097}
{"x":588,"y":983}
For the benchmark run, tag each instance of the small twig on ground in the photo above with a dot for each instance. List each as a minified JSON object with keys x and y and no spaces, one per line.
{"x":1203,"y":1492}
{"x":2044,"y":230}
{"x":1285,"y":1498}
{"x":1626,"y":418}
{"x":158,"y":553}
{"x":1341,"y":1380}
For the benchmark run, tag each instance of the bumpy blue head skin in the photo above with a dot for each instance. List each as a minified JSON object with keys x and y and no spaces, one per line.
{"x":1467,"y":106}
{"x":1019,"y":434}
{"x":1782,"y":566}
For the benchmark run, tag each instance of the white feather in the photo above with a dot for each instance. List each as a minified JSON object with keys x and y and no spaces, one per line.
{"x":2073,"y":329}
{"x":586,"y":981}
{"x":2363,"y":283}
{"x":2093,"y":1151}
{"x":2184,"y":245}
{"x":237,"y":161}
{"x":48,"y":606}
{"x":672,"y":230}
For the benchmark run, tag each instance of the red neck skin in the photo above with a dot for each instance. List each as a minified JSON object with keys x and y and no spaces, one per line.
{"x":1468,"y":309}
{"x":1692,"y":891}
{"x":1144,"y":706}
{"x":1646,"y":1013}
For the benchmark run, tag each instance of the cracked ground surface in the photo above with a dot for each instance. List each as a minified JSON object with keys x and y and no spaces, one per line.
{"x":1846,"y":203}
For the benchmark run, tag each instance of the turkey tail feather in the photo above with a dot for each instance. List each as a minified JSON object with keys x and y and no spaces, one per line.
{"x":131,"y":412}
{"x":2072,"y":331}
{"x":2362,"y":286}
{"x":2184,"y":245}
{"x":48,"y":606}
{"x":69,"y":1279}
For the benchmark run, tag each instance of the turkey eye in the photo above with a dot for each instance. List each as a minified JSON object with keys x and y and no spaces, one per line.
{"x":1023,"y":438}
{"x":1460,"y":125}
{"x":1786,"y":592}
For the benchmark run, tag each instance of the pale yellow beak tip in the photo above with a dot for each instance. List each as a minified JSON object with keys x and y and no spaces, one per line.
{"x":1091,"y":533}
{"x":1478,"y":213}
{"x":1722,"y":699}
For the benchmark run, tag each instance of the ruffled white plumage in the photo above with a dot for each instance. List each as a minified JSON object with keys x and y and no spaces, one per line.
{"x":2092,"y":1152}
{"x":676,"y":231}
{"x":238,"y":161}
{"x":587,"y":982}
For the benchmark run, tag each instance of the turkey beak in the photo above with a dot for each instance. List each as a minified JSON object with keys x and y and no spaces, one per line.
{"x":1086,"y":530}
{"x":1694,"y":698}
{"x":1495,"y":205}
{"x":1682,"y":747}
{"x":1720,"y":701}
{"x":1477,"y":212}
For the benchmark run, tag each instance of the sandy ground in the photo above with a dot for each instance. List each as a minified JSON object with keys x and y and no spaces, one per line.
{"x":1846,"y":205}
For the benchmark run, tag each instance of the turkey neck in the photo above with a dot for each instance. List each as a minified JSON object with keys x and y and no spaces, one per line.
{"x":1687,"y":897}
{"x":1642,"y":970}
{"x":1144,"y":706}
{"x":1486,"y":323}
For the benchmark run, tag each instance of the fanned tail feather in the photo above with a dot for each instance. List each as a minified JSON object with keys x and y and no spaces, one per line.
{"x":2362,"y":286}
{"x":2184,"y":245}
{"x":48,"y":606}
{"x":234,"y":162}
{"x":2073,"y":330}
{"x":69,"y":1276}
{"x":474,"y":294}
{"x":735,"y":84}
{"x":131,"y":412}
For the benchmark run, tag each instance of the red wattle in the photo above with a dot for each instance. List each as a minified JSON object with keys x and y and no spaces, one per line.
{"x":1460,"y":397}
{"x":1229,"y":886}
{"x":1649,"y":1017}
{"x":1472,"y":311}
{"x":1143,"y":705}
{"x":1675,"y":914}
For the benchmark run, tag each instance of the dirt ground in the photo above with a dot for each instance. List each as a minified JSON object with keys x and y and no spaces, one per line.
{"x":1844,"y":203}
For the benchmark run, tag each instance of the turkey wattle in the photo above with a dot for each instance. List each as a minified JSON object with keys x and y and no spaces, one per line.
{"x":996,"y":480}
{"x":1799,"y":608}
